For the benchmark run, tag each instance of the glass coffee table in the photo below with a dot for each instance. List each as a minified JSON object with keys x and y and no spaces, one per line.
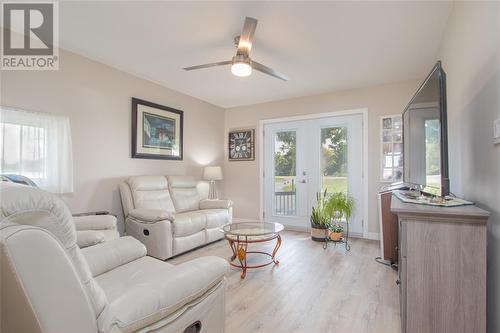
{"x":239,"y":235}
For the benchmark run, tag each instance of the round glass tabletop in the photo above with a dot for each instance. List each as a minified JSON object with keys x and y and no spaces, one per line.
{"x":252,"y":229}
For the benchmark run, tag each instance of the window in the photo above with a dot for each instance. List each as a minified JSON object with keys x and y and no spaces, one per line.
{"x":334,"y":159}
{"x":391,"y":129}
{"x":38,"y":146}
{"x":285,"y":175}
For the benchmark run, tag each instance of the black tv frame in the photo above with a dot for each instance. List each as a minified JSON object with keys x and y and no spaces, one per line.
{"x":445,"y":180}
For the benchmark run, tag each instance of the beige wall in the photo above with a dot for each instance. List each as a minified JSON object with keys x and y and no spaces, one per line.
{"x":97,"y":99}
{"x":471,"y":59}
{"x":242,"y":178}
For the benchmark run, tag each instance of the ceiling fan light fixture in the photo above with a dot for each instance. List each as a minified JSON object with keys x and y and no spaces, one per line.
{"x":241,"y":67}
{"x":241,"y":64}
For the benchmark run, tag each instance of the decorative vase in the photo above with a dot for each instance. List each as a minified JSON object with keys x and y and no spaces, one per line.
{"x":319,"y":233}
{"x":335,"y":236}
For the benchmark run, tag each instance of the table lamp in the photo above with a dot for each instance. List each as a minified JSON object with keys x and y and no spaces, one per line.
{"x":212,"y":173}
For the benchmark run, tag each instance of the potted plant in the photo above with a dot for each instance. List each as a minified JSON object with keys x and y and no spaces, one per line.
{"x":339,"y":206}
{"x":336,"y":231}
{"x":320,"y":218}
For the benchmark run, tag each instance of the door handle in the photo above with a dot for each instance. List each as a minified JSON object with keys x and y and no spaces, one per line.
{"x":303,"y":181}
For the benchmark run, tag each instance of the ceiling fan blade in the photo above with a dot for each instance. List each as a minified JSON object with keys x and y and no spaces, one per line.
{"x":214,"y":64}
{"x":269,"y":71}
{"x":246,"y":37}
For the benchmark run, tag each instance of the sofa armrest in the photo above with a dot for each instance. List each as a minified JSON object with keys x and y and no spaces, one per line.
{"x":95,"y":222}
{"x":213,"y":269}
{"x":151,"y":215}
{"x":107,"y":256}
{"x":215,"y":204}
{"x":86,"y":238}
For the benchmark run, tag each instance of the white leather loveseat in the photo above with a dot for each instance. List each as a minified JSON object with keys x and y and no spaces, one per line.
{"x":169,"y":215}
{"x":49,"y":285}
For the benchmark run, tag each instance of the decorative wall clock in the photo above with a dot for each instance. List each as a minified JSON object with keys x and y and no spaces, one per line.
{"x":241,"y":145}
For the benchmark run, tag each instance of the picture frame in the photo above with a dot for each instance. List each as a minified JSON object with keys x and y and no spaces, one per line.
{"x":157,"y":131}
{"x":241,"y":145}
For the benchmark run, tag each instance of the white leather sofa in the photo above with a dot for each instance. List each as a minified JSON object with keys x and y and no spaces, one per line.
{"x":94,"y":229}
{"x":48,"y":284}
{"x":169,"y":215}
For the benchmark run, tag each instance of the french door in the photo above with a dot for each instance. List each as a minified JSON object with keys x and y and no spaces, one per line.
{"x":304,"y":157}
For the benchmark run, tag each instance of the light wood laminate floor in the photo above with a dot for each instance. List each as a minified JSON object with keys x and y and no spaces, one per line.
{"x":312,"y":290}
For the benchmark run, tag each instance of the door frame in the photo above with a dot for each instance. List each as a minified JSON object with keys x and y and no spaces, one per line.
{"x":360,"y":111}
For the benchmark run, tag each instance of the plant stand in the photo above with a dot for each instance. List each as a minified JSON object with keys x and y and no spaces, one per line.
{"x":344,"y":240}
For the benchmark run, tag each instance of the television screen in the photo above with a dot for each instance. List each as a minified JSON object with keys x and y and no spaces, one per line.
{"x":425,"y":136}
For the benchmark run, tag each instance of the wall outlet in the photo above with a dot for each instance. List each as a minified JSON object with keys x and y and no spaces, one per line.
{"x":496,"y":131}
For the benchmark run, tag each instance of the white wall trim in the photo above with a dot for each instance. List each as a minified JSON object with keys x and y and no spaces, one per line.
{"x":240,"y":220}
{"x":365,"y":172}
{"x":362,"y":111}
{"x":297,"y":228}
{"x":372,"y":235}
{"x":368,"y":235}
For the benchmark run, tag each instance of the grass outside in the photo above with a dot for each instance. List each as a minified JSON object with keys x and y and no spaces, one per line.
{"x":332,"y":184}
{"x":284,"y":183}
{"x":335,"y":184}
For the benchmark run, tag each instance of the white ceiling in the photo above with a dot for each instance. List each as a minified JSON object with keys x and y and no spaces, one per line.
{"x":321,"y":46}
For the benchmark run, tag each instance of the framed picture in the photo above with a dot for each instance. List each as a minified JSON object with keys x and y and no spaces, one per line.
{"x":241,"y":145}
{"x":156,"y":131}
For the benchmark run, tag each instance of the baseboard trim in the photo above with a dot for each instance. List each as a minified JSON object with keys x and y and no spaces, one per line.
{"x":368,"y":235}
{"x":372,"y":235}
{"x":296,"y":228}
{"x":240,"y":220}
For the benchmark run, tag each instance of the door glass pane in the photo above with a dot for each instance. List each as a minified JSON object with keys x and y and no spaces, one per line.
{"x":285,"y":180}
{"x":334,"y":159}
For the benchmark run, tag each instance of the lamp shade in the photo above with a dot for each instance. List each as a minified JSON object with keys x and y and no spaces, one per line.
{"x":212,"y":173}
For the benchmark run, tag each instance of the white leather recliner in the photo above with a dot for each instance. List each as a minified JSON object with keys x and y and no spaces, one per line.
{"x":169,"y":215}
{"x":48,"y":284}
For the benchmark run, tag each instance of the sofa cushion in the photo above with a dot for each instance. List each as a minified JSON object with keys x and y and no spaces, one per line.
{"x":147,"y":183}
{"x":186,"y":243}
{"x":151,"y":215}
{"x":86,"y":238}
{"x":95,"y":222}
{"x":214,"y":204}
{"x":215,"y":217}
{"x":211,"y":235}
{"x":110,"y":234}
{"x":188,"y":223}
{"x":184,"y":193}
{"x":147,"y":290}
{"x":109,"y":255}
{"x":151,"y":192}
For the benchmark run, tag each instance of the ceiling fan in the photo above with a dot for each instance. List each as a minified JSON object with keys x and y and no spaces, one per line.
{"x":241,"y":64}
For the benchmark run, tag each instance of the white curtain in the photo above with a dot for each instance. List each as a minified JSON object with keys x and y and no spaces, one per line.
{"x":37,"y":145}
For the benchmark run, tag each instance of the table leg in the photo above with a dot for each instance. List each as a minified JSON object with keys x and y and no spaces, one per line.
{"x":242,"y":257}
{"x":233,"y":248}
{"x":276,"y":248}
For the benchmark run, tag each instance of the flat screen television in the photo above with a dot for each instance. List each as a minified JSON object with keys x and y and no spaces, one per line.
{"x":425,"y":136}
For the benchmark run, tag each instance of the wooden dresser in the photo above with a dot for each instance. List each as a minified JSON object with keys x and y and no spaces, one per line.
{"x":442,"y":268}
